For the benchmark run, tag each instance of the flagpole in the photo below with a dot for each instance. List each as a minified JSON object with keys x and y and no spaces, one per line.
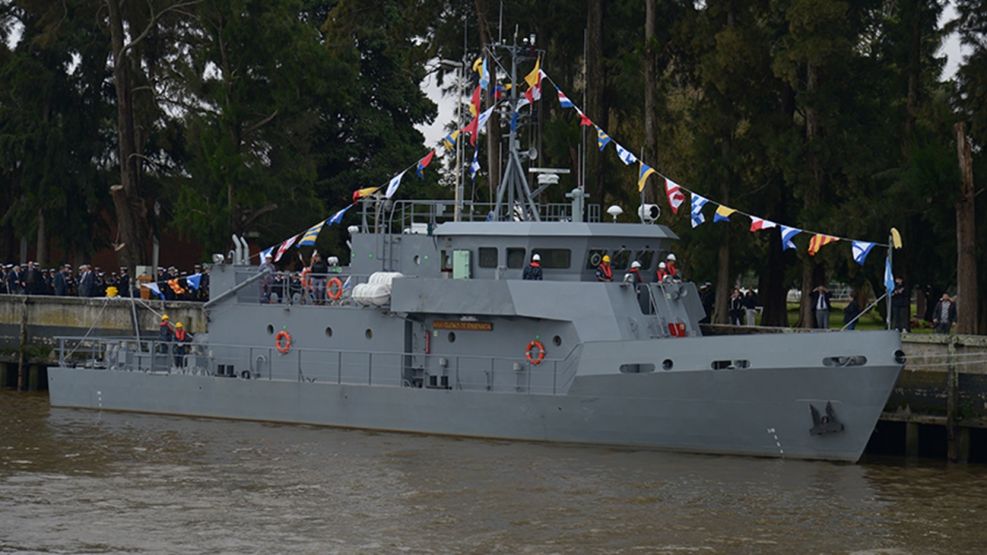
{"x":891,"y":267}
{"x":457,"y":213}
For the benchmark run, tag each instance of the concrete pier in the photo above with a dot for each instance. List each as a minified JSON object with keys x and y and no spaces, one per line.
{"x":29,"y":325}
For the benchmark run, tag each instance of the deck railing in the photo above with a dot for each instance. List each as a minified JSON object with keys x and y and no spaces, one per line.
{"x":375,"y":368}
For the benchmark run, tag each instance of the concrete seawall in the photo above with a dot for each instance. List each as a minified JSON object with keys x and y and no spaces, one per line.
{"x":29,"y":326}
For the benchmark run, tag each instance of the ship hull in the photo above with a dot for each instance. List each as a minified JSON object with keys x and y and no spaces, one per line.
{"x":758,"y":412}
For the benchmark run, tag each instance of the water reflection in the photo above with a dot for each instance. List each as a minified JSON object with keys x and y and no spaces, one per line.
{"x":104,"y":482}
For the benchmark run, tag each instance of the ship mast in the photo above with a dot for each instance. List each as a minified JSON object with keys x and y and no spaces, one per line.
{"x":514,"y":193}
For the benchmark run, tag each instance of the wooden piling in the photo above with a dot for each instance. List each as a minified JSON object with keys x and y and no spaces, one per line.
{"x":911,"y":439}
{"x":22,"y":349}
{"x":952,"y":385}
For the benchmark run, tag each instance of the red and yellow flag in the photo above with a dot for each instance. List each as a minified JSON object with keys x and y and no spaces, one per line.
{"x":818,"y":241}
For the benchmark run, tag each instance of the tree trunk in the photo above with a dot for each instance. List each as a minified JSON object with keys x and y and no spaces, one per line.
{"x":130,"y":211}
{"x":41,"y":252}
{"x":771,"y":289}
{"x":595,"y":106}
{"x":813,"y":192}
{"x":651,"y":194}
{"x":721,"y":310}
{"x":966,"y":252}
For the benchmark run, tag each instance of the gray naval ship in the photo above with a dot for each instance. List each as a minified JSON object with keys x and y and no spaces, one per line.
{"x":430,"y":328}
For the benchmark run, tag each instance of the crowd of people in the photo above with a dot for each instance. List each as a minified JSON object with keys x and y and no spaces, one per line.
{"x":91,"y":281}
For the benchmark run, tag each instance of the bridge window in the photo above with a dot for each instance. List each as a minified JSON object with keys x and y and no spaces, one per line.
{"x":621,"y":259}
{"x":487,"y":257}
{"x":515,"y":258}
{"x":559,"y":259}
{"x":645,"y":257}
{"x":594,"y":258}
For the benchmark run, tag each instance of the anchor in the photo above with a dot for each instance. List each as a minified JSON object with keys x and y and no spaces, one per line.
{"x":827,"y":424}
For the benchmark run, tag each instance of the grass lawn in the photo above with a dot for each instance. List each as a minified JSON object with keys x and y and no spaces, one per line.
{"x":873,"y":320}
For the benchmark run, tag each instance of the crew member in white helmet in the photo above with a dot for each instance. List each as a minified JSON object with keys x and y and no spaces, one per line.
{"x":662,"y":273}
{"x":634,"y":274}
{"x":533,"y":270}
{"x":670,"y":268}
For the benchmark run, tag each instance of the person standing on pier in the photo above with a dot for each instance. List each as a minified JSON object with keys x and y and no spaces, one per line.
{"x":901,"y":302}
{"x":944,"y":315}
{"x":821,"y":303}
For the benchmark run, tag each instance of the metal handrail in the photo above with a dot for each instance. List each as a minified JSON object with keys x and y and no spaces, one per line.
{"x":106,"y":353}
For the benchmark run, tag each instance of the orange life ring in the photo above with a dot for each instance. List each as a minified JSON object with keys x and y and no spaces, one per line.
{"x":282,"y":342}
{"x":306,"y":278}
{"x":535,"y":352}
{"x":334,"y":289}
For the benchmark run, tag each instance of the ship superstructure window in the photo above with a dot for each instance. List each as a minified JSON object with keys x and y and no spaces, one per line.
{"x":515,"y":258}
{"x":559,"y":259}
{"x":621,"y":259}
{"x":594,"y":258}
{"x":487,"y":257}
{"x":645,"y":257}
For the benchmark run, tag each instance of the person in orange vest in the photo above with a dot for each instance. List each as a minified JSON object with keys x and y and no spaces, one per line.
{"x":604,"y":272}
{"x":182,"y":338}
{"x":662,"y":273}
{"x":673,"y":271}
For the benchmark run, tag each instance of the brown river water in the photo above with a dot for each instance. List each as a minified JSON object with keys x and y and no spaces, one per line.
{"x":90,"y":482}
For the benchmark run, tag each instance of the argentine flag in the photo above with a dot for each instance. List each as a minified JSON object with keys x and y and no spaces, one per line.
{"x":888,"y":275}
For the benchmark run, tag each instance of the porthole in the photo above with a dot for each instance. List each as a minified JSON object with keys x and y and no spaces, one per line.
{"x":418,"y":260}
{"x":328,"y":331}
{"x":452,"y":337}
{"x":667,"y":364}
{"x":270,"y":329}
{"x":557,"y":340}
{"x":369,"y":333}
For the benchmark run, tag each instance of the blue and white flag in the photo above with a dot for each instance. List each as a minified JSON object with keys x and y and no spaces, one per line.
{"x":194,"y":281}
{"x":475,"y":164}
{"x":888,"y":275}
{"x":154,"y":289}
{"x":269,"y":251}
{"x":787,"y":233}
{"x":484,"y":75}
{"x":626,"y":156}
{"x":564,"y":100}
{"x":392,"y":186}
{"x":697,"y":209}
{"x":860,"y":251}
{"x":483,"y":117}
{"x":338,"y":216}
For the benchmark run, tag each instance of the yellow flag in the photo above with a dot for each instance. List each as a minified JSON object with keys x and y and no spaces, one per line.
{"x":895,"y":238}
{"x":643,"y":175}
{"x":532,"y":78}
